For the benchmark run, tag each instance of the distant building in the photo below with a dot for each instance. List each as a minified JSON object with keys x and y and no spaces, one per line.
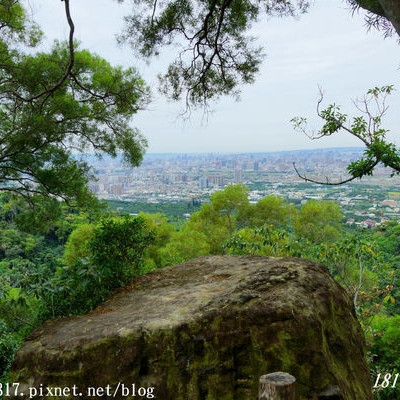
{"x":389,"y":203}
{"x":238,"y":175}
{"x":368,"y":223}
{"x":203,"y":182}
{"x":116,"y":189}
{"x":103,"y":178}
{"x":215,"y":180}
{"x":94,"y":187}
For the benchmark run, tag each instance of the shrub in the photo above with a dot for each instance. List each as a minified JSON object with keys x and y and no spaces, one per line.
{"x":386,"y":354}
{"x":115,"y":255}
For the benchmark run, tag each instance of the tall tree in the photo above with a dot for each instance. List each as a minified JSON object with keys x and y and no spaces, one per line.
{"x":55,"y":104}
{"x":318,"y":221}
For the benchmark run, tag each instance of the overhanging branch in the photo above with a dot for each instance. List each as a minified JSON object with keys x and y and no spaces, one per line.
{"x":305,"y":178}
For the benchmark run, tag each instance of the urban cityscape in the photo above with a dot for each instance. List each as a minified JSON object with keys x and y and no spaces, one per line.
{"x":180,"y":178}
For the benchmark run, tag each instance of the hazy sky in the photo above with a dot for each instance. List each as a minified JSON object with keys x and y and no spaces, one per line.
{"x":328,"y":47}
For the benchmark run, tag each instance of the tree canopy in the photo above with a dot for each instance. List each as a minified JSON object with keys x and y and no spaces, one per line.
{"x":217,"y":54}
{"x":56,"y":104}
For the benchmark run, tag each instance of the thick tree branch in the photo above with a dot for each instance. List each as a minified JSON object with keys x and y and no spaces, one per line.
{"x":68,"y":70}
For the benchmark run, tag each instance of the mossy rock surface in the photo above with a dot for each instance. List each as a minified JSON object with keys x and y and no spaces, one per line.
{"x":207,"y":329}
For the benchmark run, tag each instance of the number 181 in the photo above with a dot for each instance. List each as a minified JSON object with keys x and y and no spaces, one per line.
{"x":386,"y":381}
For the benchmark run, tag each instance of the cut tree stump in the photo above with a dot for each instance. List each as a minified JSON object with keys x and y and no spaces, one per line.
{"x":277,"y":386}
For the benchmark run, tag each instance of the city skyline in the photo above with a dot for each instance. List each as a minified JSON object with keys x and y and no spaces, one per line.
{"x":190,"y":179}
{"x":184,"y":174}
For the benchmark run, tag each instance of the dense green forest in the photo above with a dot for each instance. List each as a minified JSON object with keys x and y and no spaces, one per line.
{"x":74,"y":263}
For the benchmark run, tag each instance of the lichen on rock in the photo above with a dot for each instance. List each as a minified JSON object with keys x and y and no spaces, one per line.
{"x":207,"y":329}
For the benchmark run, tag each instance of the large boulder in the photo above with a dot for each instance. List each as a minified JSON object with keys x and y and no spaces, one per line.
{"x":206,"y":329}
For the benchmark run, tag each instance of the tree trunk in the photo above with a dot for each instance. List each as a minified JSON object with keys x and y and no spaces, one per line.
{"x":392,"y":12}
{"x":277,"y":386}
{"x":390,"y":9}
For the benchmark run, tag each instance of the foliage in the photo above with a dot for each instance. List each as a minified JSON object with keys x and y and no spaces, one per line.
{"x":230,"y":203}
{"x":271,"y":209}
{"x":266,"y":241}
{"x":380,"y":15}
{"x":99,"y":259}
{"x":114,"y":252}
{"x":213,"y":227}
{"x":173,"y":211}
{"x":216,"y":56}
{"x":366,"y":128}
{"x":388,"y":237}
{"x":9,"y":343}
{"x":353,"y":261}
{"x":217,"y":220}
{"x":386,"y":337}
{"x":185,"y":245}
{"x":18,"y":315}
{"x":77,"y":244}
{"x":385,"y":352}
{"x":78,"y":260}
{"x":16,"y":26}
{"x":55,"y":103}
{"x":318,"y":221}
{"x":163,"y":233}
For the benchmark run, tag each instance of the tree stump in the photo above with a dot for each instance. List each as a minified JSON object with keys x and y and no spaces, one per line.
{"x":277,"y":386}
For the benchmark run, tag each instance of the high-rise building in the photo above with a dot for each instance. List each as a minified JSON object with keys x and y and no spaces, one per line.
{"x":94,"y":187}
{"x":238,"y":175}
{"x":215,"y":180}
{"x":203,"y":182}
{"x":116,"y":189}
